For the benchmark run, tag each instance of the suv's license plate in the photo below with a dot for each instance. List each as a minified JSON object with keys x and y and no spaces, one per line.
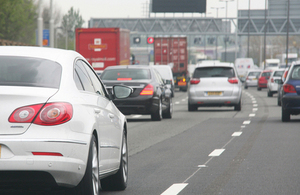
{"x":214,"y":93}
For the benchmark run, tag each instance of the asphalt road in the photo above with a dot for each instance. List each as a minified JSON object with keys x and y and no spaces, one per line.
{"x":214,"y":150}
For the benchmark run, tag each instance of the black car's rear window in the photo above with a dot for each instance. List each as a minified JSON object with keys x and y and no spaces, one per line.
{"x":32,"y":72}
{"x":214,"y":72}
{"x":126,"y":74}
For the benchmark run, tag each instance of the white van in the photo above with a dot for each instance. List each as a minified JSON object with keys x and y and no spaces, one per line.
{"x":242,"y":66}
{"x":271,"y":64}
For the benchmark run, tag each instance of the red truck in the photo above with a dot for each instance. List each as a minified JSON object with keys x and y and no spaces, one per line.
{"x":173,"y":50}
{"x":104,"y":47}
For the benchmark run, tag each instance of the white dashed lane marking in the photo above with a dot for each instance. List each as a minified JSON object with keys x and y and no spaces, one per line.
{"x":216,"y":152}
{"x":175,"y":189}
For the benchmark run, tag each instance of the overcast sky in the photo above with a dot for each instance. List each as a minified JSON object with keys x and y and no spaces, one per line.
{"x":137,"y":8}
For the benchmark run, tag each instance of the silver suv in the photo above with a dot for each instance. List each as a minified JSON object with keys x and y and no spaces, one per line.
{"x":215,"y":84}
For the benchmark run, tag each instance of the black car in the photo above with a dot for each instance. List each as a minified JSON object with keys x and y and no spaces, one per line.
{"x":151,"y":95}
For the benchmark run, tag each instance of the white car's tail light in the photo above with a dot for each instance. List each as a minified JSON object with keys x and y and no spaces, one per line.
{"x":233,"y":80}
{"x":40,"y":114}
{"x":194,"y":81}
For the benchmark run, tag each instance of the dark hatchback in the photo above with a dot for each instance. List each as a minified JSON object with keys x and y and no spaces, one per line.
{"x":290,"y":100}
{"x":151,"y":95}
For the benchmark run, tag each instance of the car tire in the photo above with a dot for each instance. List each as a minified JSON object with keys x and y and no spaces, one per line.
{"x":270,"y":94}
{"x":90,"y":184}
{"x":245,"y":87}
{"x":258,"y":89}
{"x":285,"y":115}
{"x":157,"y":115}
{"x":119,"y":180}
{"x":278,"y":101}
{"x":169,"y":112}
{"x":238,"y":107}
{"x":192,"y":107}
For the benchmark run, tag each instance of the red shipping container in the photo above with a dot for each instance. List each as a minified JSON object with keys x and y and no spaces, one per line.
{"x":103,"y":47}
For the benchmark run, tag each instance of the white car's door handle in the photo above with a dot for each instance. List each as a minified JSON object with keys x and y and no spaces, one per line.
{"x":97,"y":111}
{"x":111,"y":115}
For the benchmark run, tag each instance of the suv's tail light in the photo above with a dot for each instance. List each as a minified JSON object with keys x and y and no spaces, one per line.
{"x":194,"y":81}
{"x":148,"y":90}
{"x":40,"y":114}
{"x":272,"y":80}
{"x":233,"y":80}
{"x":287,"y":88}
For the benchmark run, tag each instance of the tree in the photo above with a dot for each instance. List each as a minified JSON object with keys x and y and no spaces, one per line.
{"x":70,"y":22}
{"x":18,"y":20}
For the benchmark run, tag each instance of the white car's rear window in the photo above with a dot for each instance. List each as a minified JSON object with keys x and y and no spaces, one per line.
{"x":32,"y":72}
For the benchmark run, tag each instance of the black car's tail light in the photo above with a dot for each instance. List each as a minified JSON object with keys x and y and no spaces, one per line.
{"x":233,"y":80}
{"x":287,"y":88}
{"x":194,"y":81}
{"x":148,"y":90}
{"x":40,"y":114}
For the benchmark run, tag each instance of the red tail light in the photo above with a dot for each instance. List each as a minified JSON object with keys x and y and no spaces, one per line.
{"x":124,"y":79}
{"x":40,"y":114}
{"x":46,"y":154}
{"x":233,"y":80}
{"x":287,"y":88}
{"x":148,"y":90}
{"x":247,"y":78}
{"x":272,"y":80}
{"x":194,"y":81}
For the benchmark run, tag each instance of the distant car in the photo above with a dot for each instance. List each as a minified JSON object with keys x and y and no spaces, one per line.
{"x":290,"y":100}
{"x":166,"y":73}
{"x":272,"y":84}
{"x":263,"y":79}
{"x":151,"y":95}
{"x":215,"y":85}
{"x":58,"y":125}
{"x":251,"y":78}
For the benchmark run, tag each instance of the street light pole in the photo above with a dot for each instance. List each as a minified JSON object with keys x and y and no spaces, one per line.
{"x":287,"y":34}
{"x":248,"y":45}
{"x":226,"y":1}
{"x":217,"y":9}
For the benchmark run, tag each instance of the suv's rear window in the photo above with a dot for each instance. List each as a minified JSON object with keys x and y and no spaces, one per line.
{"x":32,"y":72}
{"x":214,"y":72}
{"x":126,"y":74}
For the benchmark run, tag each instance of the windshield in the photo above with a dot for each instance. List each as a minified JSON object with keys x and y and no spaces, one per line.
{"x":295,"y":74}
{"x":126,"y":74}
{"x":214,"y":72}
{"x":32,"y":72}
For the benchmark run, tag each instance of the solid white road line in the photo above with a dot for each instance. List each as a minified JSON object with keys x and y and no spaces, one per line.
{"x":175,"y":189}
{"x":216,"y":152}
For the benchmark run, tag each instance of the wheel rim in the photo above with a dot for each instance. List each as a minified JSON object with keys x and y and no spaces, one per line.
{"x":95,"y":170}
{"x":160,"y":110}
{"x":171,"y":106}
{"x":124,"y":160}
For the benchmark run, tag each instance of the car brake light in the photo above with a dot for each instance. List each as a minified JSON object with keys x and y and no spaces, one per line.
{"x":233,"y":80}
{"x":40,"y":114}
{"x":287,"y":88}
{"x":272,"y":80}
{"x":46,"y":154}
{"x":247,"y":78}
{"x":148,"y":90}
{"x":124,"y":79}
{"x":194,"y":81}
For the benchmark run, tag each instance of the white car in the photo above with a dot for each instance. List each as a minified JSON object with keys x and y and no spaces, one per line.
{"x":251,"y":78}
{"x":58,"y":124}
{"x":167,"y":74}
{"x":215,"y":85}
{"x":272,"y":84}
